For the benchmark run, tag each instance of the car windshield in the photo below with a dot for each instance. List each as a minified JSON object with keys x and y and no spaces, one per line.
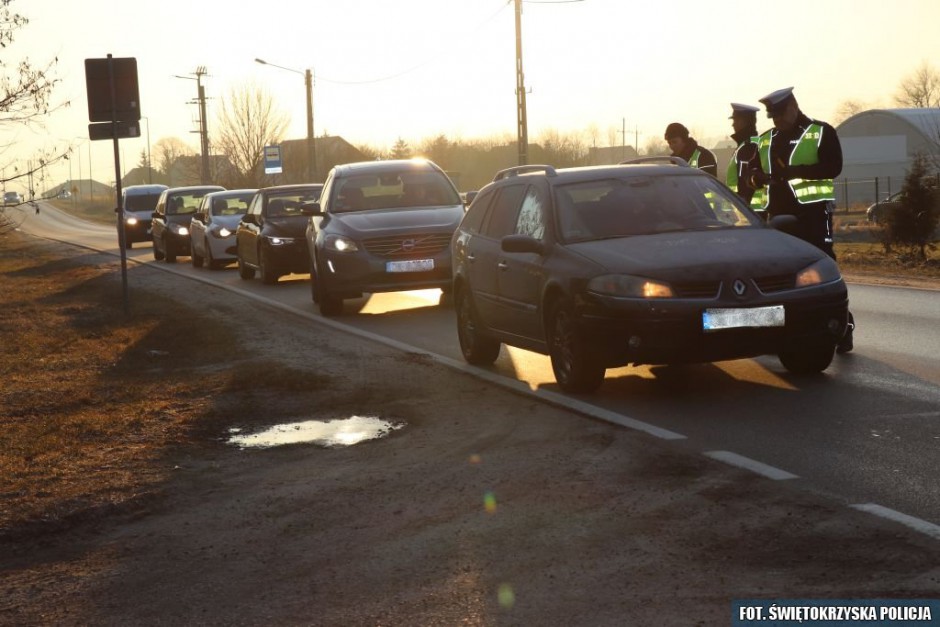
{"x":141,"y":202}
{"x":394,"y":190}
{"x":286,"y":204}
{"x":231,"y":205}
{"x":645,"y":205}
{"x":184,"y":203}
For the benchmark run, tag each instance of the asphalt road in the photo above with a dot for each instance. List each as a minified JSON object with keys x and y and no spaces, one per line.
{"x":866,"y":433}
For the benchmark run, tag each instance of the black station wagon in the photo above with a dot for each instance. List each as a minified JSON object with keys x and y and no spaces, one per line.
{"x":644,"y":263}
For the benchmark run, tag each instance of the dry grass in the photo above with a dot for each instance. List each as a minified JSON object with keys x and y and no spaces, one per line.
{"x":94,"y":403}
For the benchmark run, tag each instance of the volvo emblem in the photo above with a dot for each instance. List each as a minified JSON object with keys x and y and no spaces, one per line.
{"x":739,"y":287}
{"x":408,"y":245}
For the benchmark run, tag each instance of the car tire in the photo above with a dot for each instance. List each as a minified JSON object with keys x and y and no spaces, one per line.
{"x":128,"y":244}
{"x":476,"y":347}
{"x":808,"y":359}
{"x":157,"y":253}
{"x":195,"y":258}
{"x":577,"y":369}
{"x":269,"y":275}
{"x":329,"y":304}
{"x":314,"y":295}
{"x":245,"y":272}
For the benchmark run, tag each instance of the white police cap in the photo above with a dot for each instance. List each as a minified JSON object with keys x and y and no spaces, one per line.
{"x":738,"y":109}
{"x":776,"y":98}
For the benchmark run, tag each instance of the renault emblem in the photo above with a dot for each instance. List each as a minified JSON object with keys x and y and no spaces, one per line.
{"x":408,"y":245}
{"x":739,"y":287}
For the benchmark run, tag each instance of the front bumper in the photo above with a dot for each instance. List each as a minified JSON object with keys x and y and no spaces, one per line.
{"x":351,"y":274}
{"x":671,"y":332}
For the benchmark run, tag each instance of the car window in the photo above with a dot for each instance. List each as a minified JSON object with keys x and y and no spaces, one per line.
{"x":286,"y":204}
{"x":643,"y":205}
{"x":502,"y":216}
{"x":477,"y":212}
{"x":141,"y":202}
{"x":531,"y":219}
{"x":403,"y":189}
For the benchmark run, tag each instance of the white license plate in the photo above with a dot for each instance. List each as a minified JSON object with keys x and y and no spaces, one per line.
{"x":411,"y":265}
{"x":754,"y":317}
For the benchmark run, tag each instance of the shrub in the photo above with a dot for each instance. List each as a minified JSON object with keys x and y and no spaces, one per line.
{"x":912,"y":224}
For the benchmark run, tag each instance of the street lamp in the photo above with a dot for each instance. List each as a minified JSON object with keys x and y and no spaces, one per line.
{"x":311,"y":148}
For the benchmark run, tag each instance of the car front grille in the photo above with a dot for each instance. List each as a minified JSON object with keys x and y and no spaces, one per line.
{"x":418,"y":245}
{"x":697,"y":289}
{"x":778,"y":283}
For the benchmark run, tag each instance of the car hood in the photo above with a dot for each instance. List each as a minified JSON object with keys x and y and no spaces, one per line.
{"x":389,"y":221}
{"x":229,"y":222}
{"x":702,"y":255}
{"x":291,"y":226}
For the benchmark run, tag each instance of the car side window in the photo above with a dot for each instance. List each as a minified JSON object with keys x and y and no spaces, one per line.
{"x":477,"y":212}
{"x":531,"y":219}
{"x":502,"y":215}
{"x":255,"y":208}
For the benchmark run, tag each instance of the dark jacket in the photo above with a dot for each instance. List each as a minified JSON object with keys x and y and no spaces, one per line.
{"x":746,"y":160}
{"x":706,"y":161}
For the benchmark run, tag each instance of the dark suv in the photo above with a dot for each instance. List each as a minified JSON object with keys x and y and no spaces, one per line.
{"x":609,"y":266}
{"x":270,"y":236}
{"x":381,"y":226}
{"x":170,"y":227}
{"x":138,"y":203}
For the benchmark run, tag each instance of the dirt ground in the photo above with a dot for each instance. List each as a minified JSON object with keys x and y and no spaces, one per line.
{"x":483,"y":508}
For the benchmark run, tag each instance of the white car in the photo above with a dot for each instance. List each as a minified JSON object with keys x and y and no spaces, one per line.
{"x":213,"y":227}
{"x":12,"y":198}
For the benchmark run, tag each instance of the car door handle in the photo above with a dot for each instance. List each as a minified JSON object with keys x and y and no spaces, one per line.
{"x":502,"y":265}
{"x":471,"y":257}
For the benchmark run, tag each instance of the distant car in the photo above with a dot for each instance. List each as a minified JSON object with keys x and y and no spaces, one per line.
{"x":169,"y":230}
{"x":270,"y":236}
{"x":138,"y":203}
{"x":382,"y":226}
{"x":877,"y":212}
{"x":212,"y":230}
{"x":65,"y":194}
{"x":608,"y":266}
{"x":12,"y":198}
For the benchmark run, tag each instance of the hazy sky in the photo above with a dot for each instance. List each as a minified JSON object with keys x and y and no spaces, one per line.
{"x":416,"y":68}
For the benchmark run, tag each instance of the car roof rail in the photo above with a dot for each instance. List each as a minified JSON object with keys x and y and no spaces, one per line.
{"x":679,"y":161}
{"x":524,"y":169}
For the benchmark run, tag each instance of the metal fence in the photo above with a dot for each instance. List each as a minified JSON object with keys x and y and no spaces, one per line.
{"x":860,"y":193}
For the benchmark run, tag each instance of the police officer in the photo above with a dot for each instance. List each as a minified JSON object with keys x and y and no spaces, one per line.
{"x":799,"y":159}
{"x":744,"y":159}
{"x":677,"y":136}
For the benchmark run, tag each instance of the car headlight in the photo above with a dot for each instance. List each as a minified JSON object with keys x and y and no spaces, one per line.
{"x":280,"y":241}
{"x":130,"y":221}
{"x":823,"y":271}
{"x":179,"y":229}
{"x":625,"y":285}
{"x":340,"y":244}
{"x":223,"y":232}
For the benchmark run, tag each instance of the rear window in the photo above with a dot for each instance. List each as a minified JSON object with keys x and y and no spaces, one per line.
{"x":643,"y":205}
{"x":285,"y":204}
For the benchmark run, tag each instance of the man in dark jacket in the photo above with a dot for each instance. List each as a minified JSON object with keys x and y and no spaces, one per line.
{"x":744,"y":160}
{"x":677,"y":136}
{"x":799,"y":159}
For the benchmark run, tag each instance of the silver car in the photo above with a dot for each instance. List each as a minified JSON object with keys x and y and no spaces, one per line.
{"x":213,"y":227}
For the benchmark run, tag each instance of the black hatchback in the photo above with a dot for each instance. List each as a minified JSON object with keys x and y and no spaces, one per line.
{"x":658,"y":263}
{"x":270,"y":236}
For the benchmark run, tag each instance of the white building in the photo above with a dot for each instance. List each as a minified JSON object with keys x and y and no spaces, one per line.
{"x":877,"y":149}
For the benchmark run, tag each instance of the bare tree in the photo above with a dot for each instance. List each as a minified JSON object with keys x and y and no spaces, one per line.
{"x":25,"y":99}
{"x":846,"y":109}
{"x":249,"y":121}
{"x":920,"y":89}
{"x":168,"y":151}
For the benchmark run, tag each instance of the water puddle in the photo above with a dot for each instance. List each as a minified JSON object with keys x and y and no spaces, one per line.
{"x":332,"y":433}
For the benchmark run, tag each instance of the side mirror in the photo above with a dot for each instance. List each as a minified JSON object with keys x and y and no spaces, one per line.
{"x":522,"y":244}
{"x":468,"y":197}
{"x":311,"y":209}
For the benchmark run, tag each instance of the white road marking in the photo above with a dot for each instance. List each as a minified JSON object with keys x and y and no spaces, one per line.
{"x":750,"y":464}
{"x":916,"y":524}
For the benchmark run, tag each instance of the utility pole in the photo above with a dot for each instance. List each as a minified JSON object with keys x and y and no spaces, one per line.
{"x":203,"y":123}
{"x":521,"y":122}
